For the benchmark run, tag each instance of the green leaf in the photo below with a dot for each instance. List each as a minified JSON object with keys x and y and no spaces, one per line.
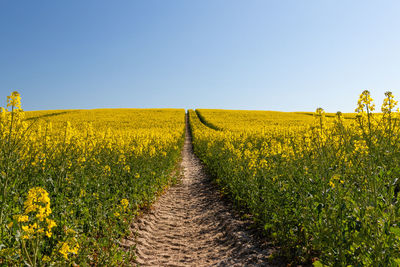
{"x":318,"y":264}
{"x":395,"y":230}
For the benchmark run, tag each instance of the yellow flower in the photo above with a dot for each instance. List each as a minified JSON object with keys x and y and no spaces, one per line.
{"x":107,"y":170}
{"x":75,"y":249}
{"x":127,"y":168}
{"x":70,"y":246}
{"x":365,"y":101}
{"x":14,"y":100}
{"x":50,"y":223}
{"x":3,"y":113}
{"x":29,"y":230}
{"x":124,"y":203}
{"x":37,"y":201}
{"x":36,"y":196}
{"x":82,"y":193}
{"x":70,"y":231}
{"x":46,"y":258}
{"x":64,"y":250}
{"x":388,"y":103}
{"x":43,"y":213}
{"x":23,"y":218}
{"x":361,"y":146}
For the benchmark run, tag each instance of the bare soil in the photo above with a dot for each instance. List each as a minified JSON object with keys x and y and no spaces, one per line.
{"x":193,"y":225}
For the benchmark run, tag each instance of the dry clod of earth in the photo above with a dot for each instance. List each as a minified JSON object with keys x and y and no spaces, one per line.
{"x":190,"y":225}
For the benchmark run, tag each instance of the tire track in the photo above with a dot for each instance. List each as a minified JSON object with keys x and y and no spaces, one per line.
{"x":190,"y":225}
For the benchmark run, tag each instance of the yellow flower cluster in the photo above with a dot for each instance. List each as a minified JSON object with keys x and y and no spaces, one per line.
{"x":122,"y":208}
{"x":124,"y":203}
{"x":14,"y":117}
{"x":69,"y":247}
{"x":14,"y":100}
{"x":38,"y":200}
{"x":365,"y":102}
{"x":361,"y":147}
{"x":37,"y":204}
{"x":389,"y":103}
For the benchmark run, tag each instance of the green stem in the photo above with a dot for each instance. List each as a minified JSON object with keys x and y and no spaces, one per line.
{"x":26,"y":252}
{"x":36,"y":250}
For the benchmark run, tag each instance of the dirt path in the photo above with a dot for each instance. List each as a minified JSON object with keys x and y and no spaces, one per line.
{"x":190,"y":225}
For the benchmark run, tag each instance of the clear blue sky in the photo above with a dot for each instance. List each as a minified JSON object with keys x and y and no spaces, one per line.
{"x":270,"y":55}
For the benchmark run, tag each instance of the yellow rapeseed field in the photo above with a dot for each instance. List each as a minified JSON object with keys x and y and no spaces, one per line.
{"x":72,"y":180}
{"x":324,"y":187}
{"x":321,"y":185}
